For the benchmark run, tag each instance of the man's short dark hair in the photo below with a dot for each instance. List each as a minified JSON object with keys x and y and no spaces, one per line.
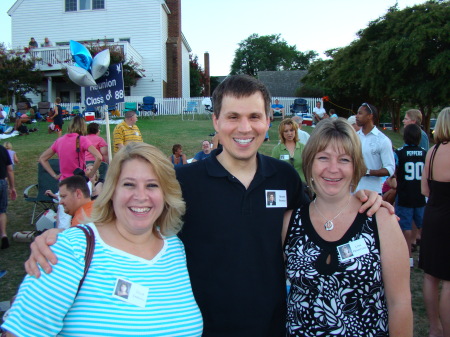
{"x":412,"y":134}
{"x":76,"y":182}
{"x":372,"y":110}
{"x":239,"y":86}
{"x":130,"y":114}
{"x":92,"y":128}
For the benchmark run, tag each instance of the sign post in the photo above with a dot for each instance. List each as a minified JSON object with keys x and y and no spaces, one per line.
{"x":108,"y":91}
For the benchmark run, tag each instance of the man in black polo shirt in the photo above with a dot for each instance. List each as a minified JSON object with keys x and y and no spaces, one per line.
{"x":231,"y":234}
{"x":6,"y":172}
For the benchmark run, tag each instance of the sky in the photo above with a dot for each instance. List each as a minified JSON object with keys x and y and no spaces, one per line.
{"x":217,"y":26}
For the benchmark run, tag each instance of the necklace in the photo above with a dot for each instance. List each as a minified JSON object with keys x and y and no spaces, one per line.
{"x":329,"y":225}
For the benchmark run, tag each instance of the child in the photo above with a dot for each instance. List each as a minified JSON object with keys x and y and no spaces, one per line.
{"x":410,"y":160}
{"x":12,"y":154}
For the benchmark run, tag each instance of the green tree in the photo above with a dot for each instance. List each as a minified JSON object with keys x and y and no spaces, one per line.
{"x":17,"y":75}
{"x":268,"y":52}
{"x":400,"y":58}
{"x":132,"y":70}
{"x":197,"y":77}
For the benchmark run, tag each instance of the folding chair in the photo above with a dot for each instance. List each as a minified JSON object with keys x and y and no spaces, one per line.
{"x":191,"y":107}
{"x":130,"y":106}
{"x":148,"y":106}
{"x":36,"y":193}
{"x":43,"y":109}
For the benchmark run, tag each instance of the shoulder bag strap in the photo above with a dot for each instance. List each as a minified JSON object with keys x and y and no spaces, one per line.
{"x":90,"y":245}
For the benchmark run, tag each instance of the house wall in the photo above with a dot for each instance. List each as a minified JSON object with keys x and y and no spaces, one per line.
{"x":186,"y":85}
{"x":143,"y":22}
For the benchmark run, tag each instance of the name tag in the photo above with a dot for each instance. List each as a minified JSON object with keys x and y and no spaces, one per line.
{"x":352,"y":250}
{"x":132,"y":293}
{"x":276,"y":198}
{"x":284,"y":157}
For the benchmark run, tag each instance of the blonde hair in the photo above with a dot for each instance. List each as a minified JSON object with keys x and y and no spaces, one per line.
{"x":77,"y":125}
{"x":169,"y":222}
{"x":442,"y":128}
{"x":96,"y":175}
{"x":415,"y":115}
{"x":283,"y":123}
{"x":7,"y":145}
{"x":339,"y":133}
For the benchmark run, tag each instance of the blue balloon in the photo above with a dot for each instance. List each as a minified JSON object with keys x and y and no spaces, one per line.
{"x":81,"y":55}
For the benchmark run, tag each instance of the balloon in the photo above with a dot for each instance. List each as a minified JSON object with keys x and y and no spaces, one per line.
{"x":80,"y":76}
{"x":80,"y":55}
{"x":100,"y":63}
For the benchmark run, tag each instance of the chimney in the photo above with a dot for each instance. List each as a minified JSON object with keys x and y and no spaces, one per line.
{"x":174,"y":47}
{"x":207,"y":79}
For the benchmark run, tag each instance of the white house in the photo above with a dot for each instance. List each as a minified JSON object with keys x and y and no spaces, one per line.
{"x":149,"y":32}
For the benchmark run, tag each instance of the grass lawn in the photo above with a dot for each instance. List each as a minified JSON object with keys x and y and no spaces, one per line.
{"x":162,"y":132}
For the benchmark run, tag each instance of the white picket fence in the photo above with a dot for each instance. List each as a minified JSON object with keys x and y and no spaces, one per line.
{"x":176,"y":106}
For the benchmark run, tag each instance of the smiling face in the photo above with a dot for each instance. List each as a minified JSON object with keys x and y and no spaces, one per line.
{"x":332,"y":171}
{"x":242,"y":125}
{"x":206,"y":147}
{"x":138,"y":198}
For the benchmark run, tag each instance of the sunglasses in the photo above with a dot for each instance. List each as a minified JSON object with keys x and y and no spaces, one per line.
{"x":291,"y":160}
{"x":367,"y":105}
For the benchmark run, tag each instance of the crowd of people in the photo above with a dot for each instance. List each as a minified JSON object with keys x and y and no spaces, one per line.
{"x":205,"y":248}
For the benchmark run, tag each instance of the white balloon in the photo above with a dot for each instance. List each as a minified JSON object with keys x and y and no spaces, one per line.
{"x":80,"y":76}
{"x":100,"y":63}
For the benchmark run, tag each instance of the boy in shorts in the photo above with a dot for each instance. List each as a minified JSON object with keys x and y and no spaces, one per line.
{"x":410,"y":160}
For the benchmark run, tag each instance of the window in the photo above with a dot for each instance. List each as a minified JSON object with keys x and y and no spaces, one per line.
{"x":85,"y":4}
{"x":71,"y":5}
{"x":74,"y":5}
{"x":98,"y":4}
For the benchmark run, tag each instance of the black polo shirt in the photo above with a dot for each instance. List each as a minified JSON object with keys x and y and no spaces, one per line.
{"x":233,"y":245}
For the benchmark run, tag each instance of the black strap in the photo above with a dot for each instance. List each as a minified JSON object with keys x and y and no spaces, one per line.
{"x":430,"y":171}
{"x":90,"y":245}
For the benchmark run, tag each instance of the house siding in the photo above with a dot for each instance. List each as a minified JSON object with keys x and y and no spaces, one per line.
{"x":186,"y":87}
{"x":145,"y":23}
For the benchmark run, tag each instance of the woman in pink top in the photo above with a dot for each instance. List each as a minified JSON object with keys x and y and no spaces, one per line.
{"x":93,"y":132}
{"x":71,"y":150}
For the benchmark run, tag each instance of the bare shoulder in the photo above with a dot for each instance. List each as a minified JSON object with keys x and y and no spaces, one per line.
{"x":387,"y":223}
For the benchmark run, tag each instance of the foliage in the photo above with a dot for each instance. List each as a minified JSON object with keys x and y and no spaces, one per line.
{"x":213,"y":82}
{"x":197,"y":77}
{"x":402,"y":57}
{"x":16,"y":74}
{"x":132,"y":70}
{"x":268,"y":52}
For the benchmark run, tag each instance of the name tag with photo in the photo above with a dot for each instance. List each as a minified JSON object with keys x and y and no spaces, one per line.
{"x":284,"y":157}
{"x":352,"y":250}
{"x":130,"y":292}
{"x":276,"y":198}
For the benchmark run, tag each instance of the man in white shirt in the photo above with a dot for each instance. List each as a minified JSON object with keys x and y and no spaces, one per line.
{"x":376,"y":148}
{"x":319,"y":113}
{"x":302,"y":135}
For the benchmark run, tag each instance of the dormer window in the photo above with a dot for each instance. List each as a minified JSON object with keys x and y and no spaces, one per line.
{"x":82,"y":5}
